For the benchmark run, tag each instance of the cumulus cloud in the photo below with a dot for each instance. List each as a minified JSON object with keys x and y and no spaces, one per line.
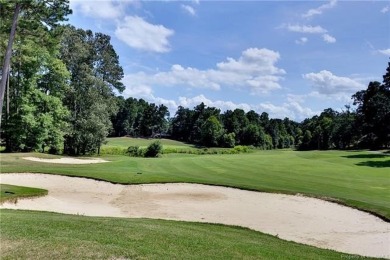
{"x":326,"y":83}
{"x":139,"y":34}
{"x":222,"y":105}
{"x":189,"y":9}
{"x":253,"y":60}
{"x":139,"y":90}
{"x":385,"y":52}
{"x":254,"y":70}
{"x":292,"y":108}
{"x":328,"y":38}
{"x":305,"y":28}
{"x":319,"y":10}
{"x":191,"y":102}
{"x":100,"y":9}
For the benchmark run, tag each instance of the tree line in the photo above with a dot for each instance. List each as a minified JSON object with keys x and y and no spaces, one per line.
{"x":367,"y":126}
{"x":58,"y":94}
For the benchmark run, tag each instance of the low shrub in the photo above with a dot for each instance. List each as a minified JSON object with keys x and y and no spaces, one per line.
{"x":135,"y":151}
{"x":113,"y":150}
{"x":154,"y":149}
{"x":228,"y":140}
{"x":202,"y":151}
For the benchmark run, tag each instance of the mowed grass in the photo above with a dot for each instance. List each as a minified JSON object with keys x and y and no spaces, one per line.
{"x":12,"y":193}
{"x":43,"y":235}
{"x":359,"y":179}
{"x":125,"y":142}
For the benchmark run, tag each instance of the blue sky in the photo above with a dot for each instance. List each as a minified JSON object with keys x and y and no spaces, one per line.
{"x":287,"y":58}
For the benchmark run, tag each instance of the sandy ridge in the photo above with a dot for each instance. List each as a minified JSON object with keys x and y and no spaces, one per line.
{"x":305,"y":220}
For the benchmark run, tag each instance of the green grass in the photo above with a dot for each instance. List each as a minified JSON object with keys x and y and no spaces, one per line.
{"x":120,"y":145}
{"x":359,"y":179}
{"x":12,"y":193}
{"x":125,"y":142}
{"x":42,"y":235}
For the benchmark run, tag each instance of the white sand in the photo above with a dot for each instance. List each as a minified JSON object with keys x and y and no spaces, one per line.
{"x":301,"y":219}
{"x":66,"y":160}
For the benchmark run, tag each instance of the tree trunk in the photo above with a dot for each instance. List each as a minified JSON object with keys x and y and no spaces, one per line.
{"x":8,"y":92}
{"x":7,"y":57}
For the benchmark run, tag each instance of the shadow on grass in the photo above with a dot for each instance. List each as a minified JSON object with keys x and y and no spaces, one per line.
{"x":366,"y":156}
{"x":376,"y":164}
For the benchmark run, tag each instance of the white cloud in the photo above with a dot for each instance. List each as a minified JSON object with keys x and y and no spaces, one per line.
{"x":223,"y":105}
{"x":99,"y":9}
{"x":305,"y":28}
{"x":385,"y":52}
{"x":191,"y":102}
{"x":385,"y":9}
{"x":291,"y":109}
{"x":320,"y":9}
{"x":275,"y":111}
{"x":254,"y":70}
{"x":328,"y":38}
{"x":189,"y":9}
{"x":135,"y":90}
{"x":139,"y":34}
{"x":301,"y":41}
{"x":253,"y":60}
{"x":326,"y":83}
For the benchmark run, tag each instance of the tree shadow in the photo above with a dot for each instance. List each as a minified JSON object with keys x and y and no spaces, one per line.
{"x":376,"y":164}
{"x":366,"y":156}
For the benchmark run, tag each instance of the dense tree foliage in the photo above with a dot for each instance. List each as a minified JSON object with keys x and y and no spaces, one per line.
{"x":139,"y":118}
{"x":367,"y":127}
{"x":231,"y":128}
{"x":34,"y":18}
{"x":373,"y":114}
{"x":94,"y":74}
{"x":34,"y":116}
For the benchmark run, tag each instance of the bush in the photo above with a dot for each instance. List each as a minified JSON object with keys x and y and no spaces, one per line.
{"x":134,"y":151}
{"x":154,"y":149}
{"x":54,"y":150}
{"x":228,"y":140}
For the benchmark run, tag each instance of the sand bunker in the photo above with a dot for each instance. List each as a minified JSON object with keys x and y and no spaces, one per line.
{"x":301,"y":219}
{"x":66,"y":160}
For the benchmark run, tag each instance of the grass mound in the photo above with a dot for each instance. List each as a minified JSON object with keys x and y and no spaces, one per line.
{"x":12,"y":193}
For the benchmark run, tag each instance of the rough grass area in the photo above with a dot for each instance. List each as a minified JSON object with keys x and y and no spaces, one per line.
{"x":12,"y":193}
{"x":41,"y":235}
{"x":143,"y":142}
{"x":120,"y":145}
{"x":356,"y":178}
